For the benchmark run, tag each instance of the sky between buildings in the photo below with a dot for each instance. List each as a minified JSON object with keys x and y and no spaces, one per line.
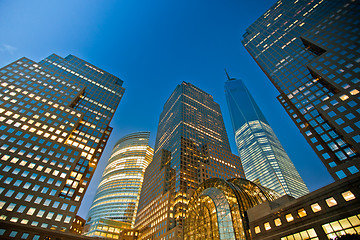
{"x":154,"y":45}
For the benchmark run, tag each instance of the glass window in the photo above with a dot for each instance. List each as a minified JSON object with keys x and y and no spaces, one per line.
{"x":348,"y":195}
{"x":289,"y":217}
{"x":267,"y":226}
{"x":331,"y":202}
{"x":315,"y":207}
{"x":257,"y":229}
{"x":340,"y":174}
{"x":302,"y":212}
{"x":277,"y":222}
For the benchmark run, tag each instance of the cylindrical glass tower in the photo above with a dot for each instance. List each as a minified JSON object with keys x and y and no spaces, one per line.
{"x":118,"y":192}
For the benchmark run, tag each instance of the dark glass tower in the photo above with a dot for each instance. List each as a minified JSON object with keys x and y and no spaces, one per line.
{"x":310,"y":52}
{"x":54,"y":125}
{"x":191,"y":146}
{"x":261,"y":153}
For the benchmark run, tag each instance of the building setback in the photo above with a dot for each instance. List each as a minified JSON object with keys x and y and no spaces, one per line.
{"x":116,"y":201}
{"x":191,"y":146}
{"x":262,"y":155}
{"x":310,"y":52}
{"x":55,"y":118}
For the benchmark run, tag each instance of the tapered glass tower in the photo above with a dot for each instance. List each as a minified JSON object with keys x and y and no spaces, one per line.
{"x":54,"y":125}
{"x":118,"y":193}
{"x":261,"y":153}
{"x":310,"y":52}
{"x":191,"y":146}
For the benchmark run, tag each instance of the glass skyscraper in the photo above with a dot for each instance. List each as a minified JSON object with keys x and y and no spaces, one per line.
{"x":191,"y":146}
{"x":310,"y":52}
{"x":262,"y":155}
{"x":118,"y":193}
{"x":54,"y":125}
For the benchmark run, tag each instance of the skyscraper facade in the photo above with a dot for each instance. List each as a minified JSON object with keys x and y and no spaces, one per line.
{"x":55,"y":118}
{"x":261,"y":153}
{"x":191,"y":146}
{"x":310,"y":52}
{"x":118,"y":193}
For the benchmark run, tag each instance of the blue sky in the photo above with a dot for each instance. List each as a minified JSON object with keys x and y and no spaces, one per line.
{"x":153,"y":45}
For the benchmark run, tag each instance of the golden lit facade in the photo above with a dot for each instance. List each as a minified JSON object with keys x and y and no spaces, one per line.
{"x":54,"y":125}
{"x":217,"y":209}
{"x":110,"y":229}
{"x":77,"y":226}
{"x":191,"y":146}
{"x":118,"y":193}
{"x":309,"y":51}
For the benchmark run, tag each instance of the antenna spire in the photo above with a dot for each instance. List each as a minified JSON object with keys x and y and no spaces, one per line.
{"x":227,"y":74}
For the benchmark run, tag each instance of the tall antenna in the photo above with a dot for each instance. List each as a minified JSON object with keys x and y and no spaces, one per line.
{"x":227,"y":74}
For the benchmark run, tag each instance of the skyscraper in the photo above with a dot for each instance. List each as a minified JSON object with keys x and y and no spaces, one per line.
{"x":261,"y":153}
{"x":310,"y":52}
{"x":191,"y":146}
{"x":118,"y":193}
{"x":55,"y":118}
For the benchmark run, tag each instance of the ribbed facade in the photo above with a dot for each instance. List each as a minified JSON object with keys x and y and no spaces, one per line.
{"x":262,"y":155}
{"x":118,"y":192}
{"x":310,"y":52}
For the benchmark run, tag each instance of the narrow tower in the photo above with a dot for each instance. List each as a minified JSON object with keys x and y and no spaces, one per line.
{"x":261,"y":153}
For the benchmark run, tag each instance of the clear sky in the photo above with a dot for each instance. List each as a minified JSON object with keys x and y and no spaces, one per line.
{"x":153,"y":45}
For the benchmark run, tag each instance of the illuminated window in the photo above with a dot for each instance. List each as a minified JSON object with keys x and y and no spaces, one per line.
{"x":344,"y":97}
{"x":277,"y":222}
{"x":331,"y":202}
{"x":257,"y":229}
{"x":315,"y":207}
{"x":354,"y":92}
{"x":267,"y":226}
{"x":307,"y":234}
{"x":348,"y":195}
{"x":302,"y":212}
{"x":289,"y":217}
{"x":30,"y":211}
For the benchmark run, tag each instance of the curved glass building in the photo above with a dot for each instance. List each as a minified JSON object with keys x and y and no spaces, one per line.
{"x":262,"y":155}
{"x":118,"y":193}
{"x":217,"y":209}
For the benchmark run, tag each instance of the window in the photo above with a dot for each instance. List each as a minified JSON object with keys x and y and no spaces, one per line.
{"x":257,"y":229}
{"x":267,"y":226}
{"x":348,"y":195}
{"x":289,"y":217}
{"x":331,"y":202}
{"x":30,"y":211}
{"x":50,"y":215}
{"x":11,"y":207}
{"x":40,"y":213}
{"x":302,"y":213}
{"x":24,"y":236}
{"x":13,"y":234}
{"x":340,"y":174}
{"x":315,"y":207}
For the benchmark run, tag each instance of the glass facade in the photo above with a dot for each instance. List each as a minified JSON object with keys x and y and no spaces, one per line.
{"x":217,"y":209}
{"x":54,"y":125}
{"x":262,"y":155}
{"x":118,"y":192}
{"x":191,"y":146}
{"x":310,"y":52}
